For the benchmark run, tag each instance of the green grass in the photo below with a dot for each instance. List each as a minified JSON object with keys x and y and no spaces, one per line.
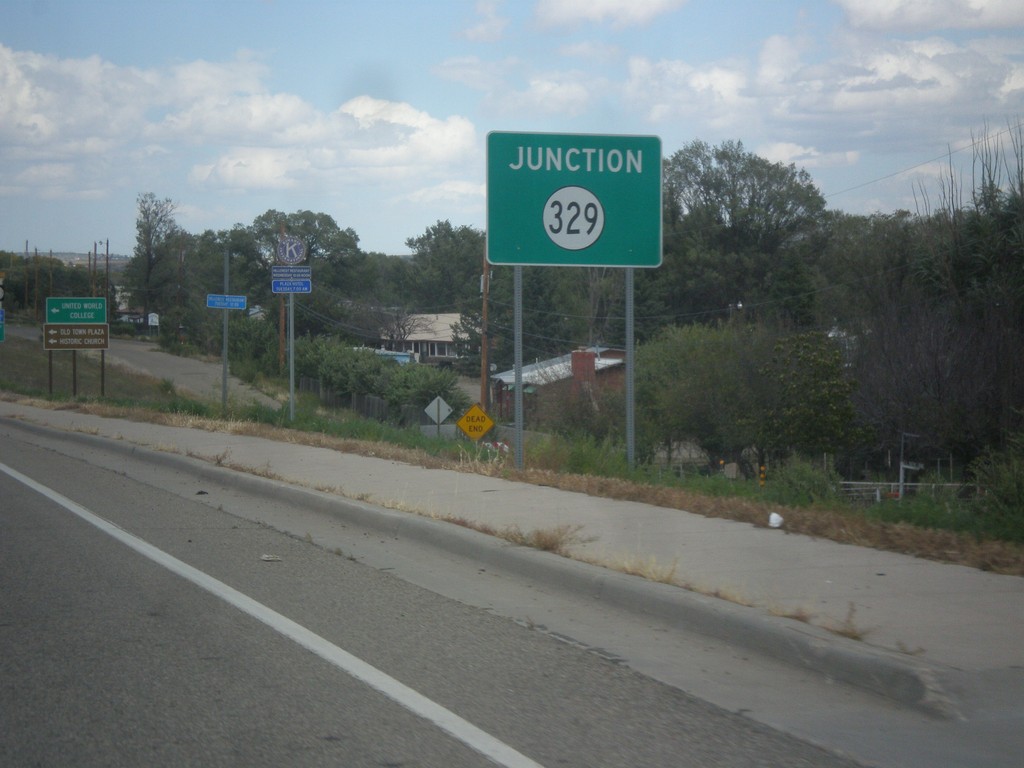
{"x":26,"y":370}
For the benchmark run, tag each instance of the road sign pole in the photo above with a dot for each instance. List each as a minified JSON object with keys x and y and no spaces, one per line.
{"x":517,"y":278}
{"x":224,"y":347}
{"x":291,"y":356}
{"x":630,"y":392}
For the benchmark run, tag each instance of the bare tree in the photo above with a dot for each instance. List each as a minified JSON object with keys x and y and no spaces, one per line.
{"x":396,"y":324}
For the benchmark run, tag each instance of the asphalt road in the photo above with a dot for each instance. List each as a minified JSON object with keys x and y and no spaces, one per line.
{"x":111,"y":653}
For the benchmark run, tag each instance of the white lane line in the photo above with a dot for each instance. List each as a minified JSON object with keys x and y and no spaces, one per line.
{"x":448,"y":721}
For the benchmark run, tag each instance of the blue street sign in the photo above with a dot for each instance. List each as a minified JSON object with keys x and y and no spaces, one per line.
{"x":291,"y":279}
{"x":280,"y":272}
{"x":291,"y":286}
{"x":220,"y":301}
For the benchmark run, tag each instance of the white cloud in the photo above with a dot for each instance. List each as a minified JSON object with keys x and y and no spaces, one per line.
{"x":778,"y":61}
{"x":211,"y":81}
{"x":1013,"y":83}
{"x":805,"y":157}
{"x":455,"y":192}
{"x":669,"y":89}
{"x":550,"y":94}
{"x":838,"y":99}
{"x":61,"y":118}
{"x":511,"y":86}
{"x":917,"y":78}
{"x":236,"y":117}
{"x":491,"y":26}
{"x":474,"y":72}
{"x":619,"y":13}
{"x":47,"y":175}
{"x":591,"y":50}
{"x":395,"y":138}
{"x":919,"y":15}
{"x":45,"y":100}
{"x":724,"y":84}
{"x":252,"y":168}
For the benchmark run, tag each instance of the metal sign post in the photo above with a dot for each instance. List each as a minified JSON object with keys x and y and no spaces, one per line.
{"x":224,"y":302}
{"x":291,"y":279}
{"x":73,"y":323}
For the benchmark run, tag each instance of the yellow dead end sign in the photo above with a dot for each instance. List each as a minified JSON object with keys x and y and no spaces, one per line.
{"x":475,"y":423}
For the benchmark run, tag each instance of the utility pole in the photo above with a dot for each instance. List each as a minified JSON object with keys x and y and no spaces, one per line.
{"x":106,"y":282}
{"x":485,"y":285}
{"x":281,"y":315}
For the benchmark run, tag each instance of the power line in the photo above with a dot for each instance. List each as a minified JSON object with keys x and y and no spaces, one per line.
{"x":949,"y":153}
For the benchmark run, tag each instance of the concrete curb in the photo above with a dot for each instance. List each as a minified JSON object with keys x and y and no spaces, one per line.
{"x":896,"y":677}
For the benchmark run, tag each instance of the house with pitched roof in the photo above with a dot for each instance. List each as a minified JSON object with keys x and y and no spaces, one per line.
{"x":430,"y":338}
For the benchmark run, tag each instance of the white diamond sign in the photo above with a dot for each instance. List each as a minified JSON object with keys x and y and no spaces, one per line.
{"x":438,"y":410}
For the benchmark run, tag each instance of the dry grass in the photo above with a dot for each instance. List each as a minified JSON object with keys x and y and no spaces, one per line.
{"x":848,"y":627}
{"x":559,"y":540}
{"x":800,"y":614}
{"x":646,"y":568}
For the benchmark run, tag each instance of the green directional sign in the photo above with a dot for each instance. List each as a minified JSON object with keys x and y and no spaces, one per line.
{"x":76,"y":309}
{"x":573,"y":200}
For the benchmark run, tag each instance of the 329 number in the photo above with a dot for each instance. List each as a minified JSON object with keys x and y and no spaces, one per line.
{"x":573,"y":218}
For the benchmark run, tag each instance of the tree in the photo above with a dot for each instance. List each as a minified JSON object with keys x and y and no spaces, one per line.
{"x":152,"y":273}
{"x":974,"y":265}
{"x":330,"y":250}
{"x":704,"y":384}
{"x":738,"y":228}
{"x":380,"y":280}
{"x":937,"y":343}
{"x":398,"y":325}
{"x":806,"y":407}
{"x":446,"y":266}
{"x":27,"y":282}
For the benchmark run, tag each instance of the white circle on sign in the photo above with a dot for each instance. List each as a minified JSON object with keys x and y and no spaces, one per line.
{"x":291,"y":250}
{"x":573,"y":218}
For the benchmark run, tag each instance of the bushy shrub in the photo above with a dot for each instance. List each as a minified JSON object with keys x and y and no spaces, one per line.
{"x":348,"y":371}
{"x":579,"y":455}
{"x":800,"y":483}
{"x":252,"y":348}
{"x":1000,"y":474}
{"x":418,"y":385}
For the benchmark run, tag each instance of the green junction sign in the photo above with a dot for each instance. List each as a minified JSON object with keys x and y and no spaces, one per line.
{"x":573,"y":200}
{"x":76,"y":309}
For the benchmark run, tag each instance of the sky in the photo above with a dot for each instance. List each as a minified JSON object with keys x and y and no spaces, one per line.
{"x":376,"y":112}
